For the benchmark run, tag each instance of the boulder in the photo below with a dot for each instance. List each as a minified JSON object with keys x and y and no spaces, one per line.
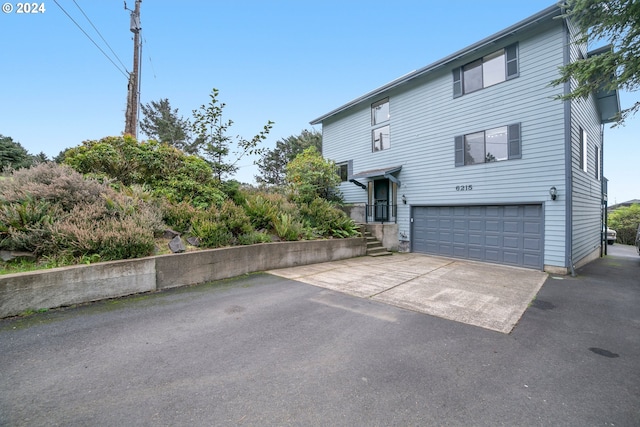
{"x":176,"y":245}
{"x":170,"y":234}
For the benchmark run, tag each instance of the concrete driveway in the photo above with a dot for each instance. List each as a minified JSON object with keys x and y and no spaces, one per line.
{"x":487,"y":295}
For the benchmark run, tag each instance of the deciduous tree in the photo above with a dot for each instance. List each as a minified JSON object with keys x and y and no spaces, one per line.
{"x":310,"y":176}
{"x":221,"y":151}
{"x":273,"y":162}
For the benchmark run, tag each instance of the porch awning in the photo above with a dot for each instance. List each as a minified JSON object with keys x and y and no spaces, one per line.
{"x":374,"y":173}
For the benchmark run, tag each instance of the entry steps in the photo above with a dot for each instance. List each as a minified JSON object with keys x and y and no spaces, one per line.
{"x":374,"y":246}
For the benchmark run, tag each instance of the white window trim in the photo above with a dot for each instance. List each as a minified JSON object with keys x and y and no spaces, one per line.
{"x":583,"y":141}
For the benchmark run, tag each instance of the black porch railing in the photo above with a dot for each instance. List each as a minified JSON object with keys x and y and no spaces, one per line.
{"x":381,"y":213}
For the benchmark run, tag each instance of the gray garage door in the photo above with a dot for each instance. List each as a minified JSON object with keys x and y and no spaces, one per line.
{"x":510,"y":234}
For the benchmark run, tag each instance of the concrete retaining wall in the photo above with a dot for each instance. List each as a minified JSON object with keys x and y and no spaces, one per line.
{"x":84,"y":283}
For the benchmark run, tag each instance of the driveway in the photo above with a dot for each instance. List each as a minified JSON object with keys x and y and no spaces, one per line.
{"x":262,"y":350}
{"x":487,"y":295}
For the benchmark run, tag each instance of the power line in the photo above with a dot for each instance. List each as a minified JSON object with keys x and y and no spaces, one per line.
{"x":97,"y":31}
{"x":84,"y":32}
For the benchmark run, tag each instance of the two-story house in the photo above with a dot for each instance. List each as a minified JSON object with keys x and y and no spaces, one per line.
{"x":473,"y":157}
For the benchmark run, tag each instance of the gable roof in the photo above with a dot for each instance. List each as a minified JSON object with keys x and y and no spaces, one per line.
{"x":544,"y":15}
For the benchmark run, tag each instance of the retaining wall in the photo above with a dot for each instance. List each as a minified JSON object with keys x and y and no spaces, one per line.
{"x":84,"y":283}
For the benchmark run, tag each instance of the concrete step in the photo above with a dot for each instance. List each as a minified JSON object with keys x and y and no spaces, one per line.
{"x":374,"y":246}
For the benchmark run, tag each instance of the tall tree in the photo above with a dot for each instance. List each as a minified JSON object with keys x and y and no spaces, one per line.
{"x":216,"y":145}
{"x":618,"y":23}
{"x":164,"y":124}
{"x":273,"y":162}
{"x":13,"y":155}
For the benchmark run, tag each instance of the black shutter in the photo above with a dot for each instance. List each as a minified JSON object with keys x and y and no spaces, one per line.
{"x":513,"y":70}
{"x":459,"y":150}
{"x":457,"y":82}
{"x":515,"y":142}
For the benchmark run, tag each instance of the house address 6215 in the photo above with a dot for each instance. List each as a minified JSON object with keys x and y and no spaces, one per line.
{"x":468,"y":187}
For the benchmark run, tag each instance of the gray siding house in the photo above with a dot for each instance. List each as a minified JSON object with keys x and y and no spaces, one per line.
{"x":472,"y":157}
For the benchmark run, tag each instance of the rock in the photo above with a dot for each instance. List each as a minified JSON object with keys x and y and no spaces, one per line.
{"x":176,"y":245}
{"x":193,"y":241}
{"x":170,"y":234}
{"x":11,"y":255}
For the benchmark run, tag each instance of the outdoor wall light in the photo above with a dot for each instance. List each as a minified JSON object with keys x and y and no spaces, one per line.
{"x":553,"y":192}
{"x":404,"y":199}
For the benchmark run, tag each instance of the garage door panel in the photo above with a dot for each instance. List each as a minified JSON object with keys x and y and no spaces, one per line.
{"x":459,"y":238}
{"x":476,"y":225}
{"x":491,"y":255}
{"x":511,"y":258}
{"x":511,"y":242}
{"x":510,"y":234}
{"x":532,"y":227}
{"x":475,"y":253}
{"x":475,"y":239}
{"x":492,"y":225}
{"x":511,"y":226}
{"x":532,"y":244}
{"x":492,"y":241}
{"x":532,"y":260}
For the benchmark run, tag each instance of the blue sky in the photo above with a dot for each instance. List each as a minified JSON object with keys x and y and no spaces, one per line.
{"x":289,"y":61}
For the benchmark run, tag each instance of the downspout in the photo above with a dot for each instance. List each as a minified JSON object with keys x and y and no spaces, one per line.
{"x":604,"y":203}
{"x":568,"y":161}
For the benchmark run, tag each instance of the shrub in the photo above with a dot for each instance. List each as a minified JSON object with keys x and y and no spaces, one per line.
{"x":287,"y":227}
{"x":326,"y":220}
{"x":25,"y":225}
{"x":53,"y":183}
{"x":211,"y":233}
{"x":235,"y":218}
{"x":253,"y":237}
{"x":178,"y":216}
{"x":264,"y":208}
{"x":54,"y":212}
{"x":115,"y":227}
{"x":625,"y":221}
{"x":111,"y":238}
{"x":310,"y":176}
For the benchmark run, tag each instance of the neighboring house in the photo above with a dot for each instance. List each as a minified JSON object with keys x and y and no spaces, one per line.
{"x":472,"y":157}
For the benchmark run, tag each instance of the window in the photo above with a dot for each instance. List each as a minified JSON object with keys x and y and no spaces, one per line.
{"x":492,"y":145}
{"x":380,"y":138}
{"x":487,"y":71}
{"x":380,"y":134}
{"x":598,"y":162}
{"x":343,"y":171}
{"x":380,"y":112}
{"x":582,"y":149}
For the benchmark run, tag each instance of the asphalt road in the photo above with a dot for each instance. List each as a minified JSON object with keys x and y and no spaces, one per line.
{"x":262,"y":350}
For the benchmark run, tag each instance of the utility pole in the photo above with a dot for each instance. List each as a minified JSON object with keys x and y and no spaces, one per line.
{"x":131,"y":116}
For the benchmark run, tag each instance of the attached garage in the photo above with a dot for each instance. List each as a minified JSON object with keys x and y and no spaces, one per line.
{"x":503,"y":234}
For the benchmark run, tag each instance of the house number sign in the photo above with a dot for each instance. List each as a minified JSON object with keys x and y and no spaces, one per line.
{"x":464,"y":187}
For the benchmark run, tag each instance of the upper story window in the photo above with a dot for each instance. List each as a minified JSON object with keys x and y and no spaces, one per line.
{"x":492,"y":145}
{"x":380,"y":138}
{"x":597,"y":164}
{"x":380,"y":128}
{"x":380,"y":112}
{"x":487,"y":71}
{"x":582,"y":150}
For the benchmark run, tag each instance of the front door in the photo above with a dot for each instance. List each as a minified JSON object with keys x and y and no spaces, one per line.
{"x":381,"y":202}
